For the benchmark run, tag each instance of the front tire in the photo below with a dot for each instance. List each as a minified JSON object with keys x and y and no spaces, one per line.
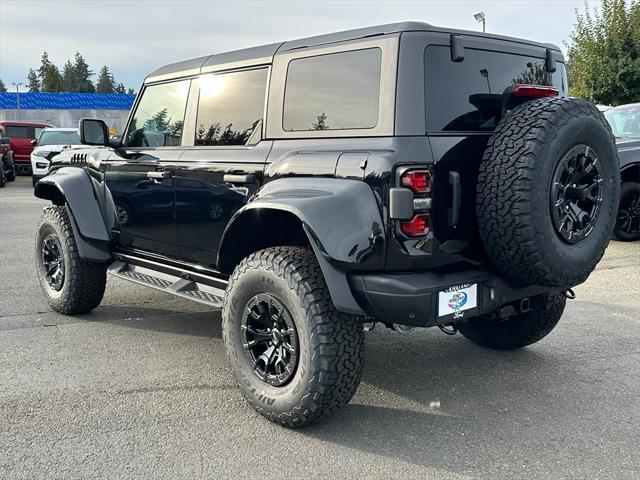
{"x":11,"y":173}
{"x":294,"y":357}
{"x":71,"y":285}
{"x":519,"y":330}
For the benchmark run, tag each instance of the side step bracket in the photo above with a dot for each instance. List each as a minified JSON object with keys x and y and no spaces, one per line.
{"x":181,"y":287}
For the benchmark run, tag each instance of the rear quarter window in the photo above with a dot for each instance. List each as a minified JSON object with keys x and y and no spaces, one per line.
{"x":467,"y":95}
{"x":337,"y":91}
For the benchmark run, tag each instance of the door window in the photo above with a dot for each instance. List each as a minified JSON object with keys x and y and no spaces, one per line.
{"x":159,"y":116}
{"x":230,"y":107}
{"x":337,"y":91}
{"x":17,"y":131}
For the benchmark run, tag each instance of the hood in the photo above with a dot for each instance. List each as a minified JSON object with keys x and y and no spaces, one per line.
{"x":45,"y":150}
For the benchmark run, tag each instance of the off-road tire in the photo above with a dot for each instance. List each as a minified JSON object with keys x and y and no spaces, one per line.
{"x":515,"y":177}
{"x":331,"y":344}
{"x":11,"y":173}
{"x":3,"y":178}
{"x":519,"y":330}
{"x":629,"y":192}
{"x":84,"y":281}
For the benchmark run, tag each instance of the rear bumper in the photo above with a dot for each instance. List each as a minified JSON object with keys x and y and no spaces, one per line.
{"x":412,"y":298}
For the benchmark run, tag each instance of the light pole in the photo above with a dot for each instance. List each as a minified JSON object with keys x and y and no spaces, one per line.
{"x":481,"y":17}
{"x":18,"y":85}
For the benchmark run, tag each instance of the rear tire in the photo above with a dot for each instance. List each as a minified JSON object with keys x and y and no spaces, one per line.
{"x":3,"y":178}
{"x":326,"y":348}
{"x":71,"y":285}
{"x":627,"y":227}
{"x":519,"y":330}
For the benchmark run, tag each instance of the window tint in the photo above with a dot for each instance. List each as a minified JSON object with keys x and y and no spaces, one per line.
{"x":17,"y":131}
{"x":159,"y":117}
{"x":467,"y":95}
{"x":230,"y":107}
{"x":333,"y":92}
{"x":60,"y":137}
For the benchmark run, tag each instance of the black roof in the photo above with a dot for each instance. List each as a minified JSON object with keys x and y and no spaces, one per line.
{"x":192,"y":67}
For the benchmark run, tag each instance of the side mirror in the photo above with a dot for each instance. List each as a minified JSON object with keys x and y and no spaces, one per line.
{"x":115,"y":142}
{"x":93,"y":132}
{"x":34,"y":142}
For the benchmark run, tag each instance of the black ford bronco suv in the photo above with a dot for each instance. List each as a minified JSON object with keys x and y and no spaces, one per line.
{"x":406,"y":174}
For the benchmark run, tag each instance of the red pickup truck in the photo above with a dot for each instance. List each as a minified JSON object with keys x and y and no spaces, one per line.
{"x":21,"y":135}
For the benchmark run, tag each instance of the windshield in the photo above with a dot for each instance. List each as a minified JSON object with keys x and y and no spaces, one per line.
{"x":624,"y":121}
{"x":53,"y":137}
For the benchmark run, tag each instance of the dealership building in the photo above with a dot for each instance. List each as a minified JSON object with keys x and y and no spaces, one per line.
{"x":66,"y":109}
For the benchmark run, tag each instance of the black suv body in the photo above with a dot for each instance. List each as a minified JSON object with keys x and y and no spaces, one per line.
{"x":359,"y":152}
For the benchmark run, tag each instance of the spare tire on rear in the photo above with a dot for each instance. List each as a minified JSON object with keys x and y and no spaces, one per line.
{"x":547,"y":192}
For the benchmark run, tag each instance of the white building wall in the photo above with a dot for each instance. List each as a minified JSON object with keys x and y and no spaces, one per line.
{"x":115,"y":119}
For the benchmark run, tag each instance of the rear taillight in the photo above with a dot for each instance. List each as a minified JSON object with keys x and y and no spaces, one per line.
{"x":417,"y":180}
{"x":418,"y":226}
{"x":534,"y":91}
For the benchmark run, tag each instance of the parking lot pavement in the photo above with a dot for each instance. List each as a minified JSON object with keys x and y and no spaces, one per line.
{"x":140,"y":388}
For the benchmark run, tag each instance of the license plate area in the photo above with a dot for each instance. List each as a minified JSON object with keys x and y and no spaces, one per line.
{"x":458,"y":301}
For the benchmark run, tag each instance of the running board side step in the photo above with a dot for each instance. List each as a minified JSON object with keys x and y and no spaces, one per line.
{"x":181,"y":287}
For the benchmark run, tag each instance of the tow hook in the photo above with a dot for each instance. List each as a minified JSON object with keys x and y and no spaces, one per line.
{"x":448,"y":329}
{"x":569,"y":293}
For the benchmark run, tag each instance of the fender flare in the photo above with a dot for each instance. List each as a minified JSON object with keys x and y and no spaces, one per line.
{"x":74,"y":188}
{"x":341,"y":220}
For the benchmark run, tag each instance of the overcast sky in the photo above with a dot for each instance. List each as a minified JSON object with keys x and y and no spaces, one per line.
{"x":133,"y":37}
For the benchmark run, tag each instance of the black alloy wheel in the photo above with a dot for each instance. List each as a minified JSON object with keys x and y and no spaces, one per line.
{"x":270,"y":339}
{"x":627,"y":226}
{"x":576,"y":194}
{"x":53,"y":261}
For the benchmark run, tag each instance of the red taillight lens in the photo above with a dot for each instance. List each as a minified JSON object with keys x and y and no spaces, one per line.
{"x":417,"y":180}
{"x":418,"y":226}
{"x":534,"y":91}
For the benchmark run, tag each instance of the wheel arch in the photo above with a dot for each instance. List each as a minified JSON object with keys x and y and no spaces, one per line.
{"x":630,"y":172}
{"x":74,"y":188}
{"x":338,"y":218}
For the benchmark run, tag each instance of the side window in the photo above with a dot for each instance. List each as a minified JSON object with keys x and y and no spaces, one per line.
{"x":17,"y":131}
{"x":336,"y":91}
{"x":230,"y":107}
{"x":159,"y":116}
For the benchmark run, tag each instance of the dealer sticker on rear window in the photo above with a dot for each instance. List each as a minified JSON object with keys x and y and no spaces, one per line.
{"x":455,"y":300}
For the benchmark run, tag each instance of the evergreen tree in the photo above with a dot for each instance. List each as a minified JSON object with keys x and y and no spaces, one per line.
{"x":3,"y":89}
{"x":130,"y":91}
{"x":105,"y":83}
{"x":33,"y":82}
{"x":45,"y":64}
{"x":52,"y":80}
{"x":82,"y":74}
{"x":120,"y":88}
{"x":321,"y":124}
{"x":604,"y":53}
{"x":68,"y":77}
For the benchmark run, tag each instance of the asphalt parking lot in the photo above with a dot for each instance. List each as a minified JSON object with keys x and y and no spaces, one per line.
{"x":140,"y":388}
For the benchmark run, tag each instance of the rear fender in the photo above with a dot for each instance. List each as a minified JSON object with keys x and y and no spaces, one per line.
{"x":340,"y":218}
{"x":75,"y":188}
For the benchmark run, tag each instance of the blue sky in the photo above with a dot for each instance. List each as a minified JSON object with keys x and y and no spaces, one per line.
{"x":134,"y":37}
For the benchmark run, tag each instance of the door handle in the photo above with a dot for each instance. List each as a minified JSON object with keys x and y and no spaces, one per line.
{"x":231,"y":178}
{"x":162,"y":175}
